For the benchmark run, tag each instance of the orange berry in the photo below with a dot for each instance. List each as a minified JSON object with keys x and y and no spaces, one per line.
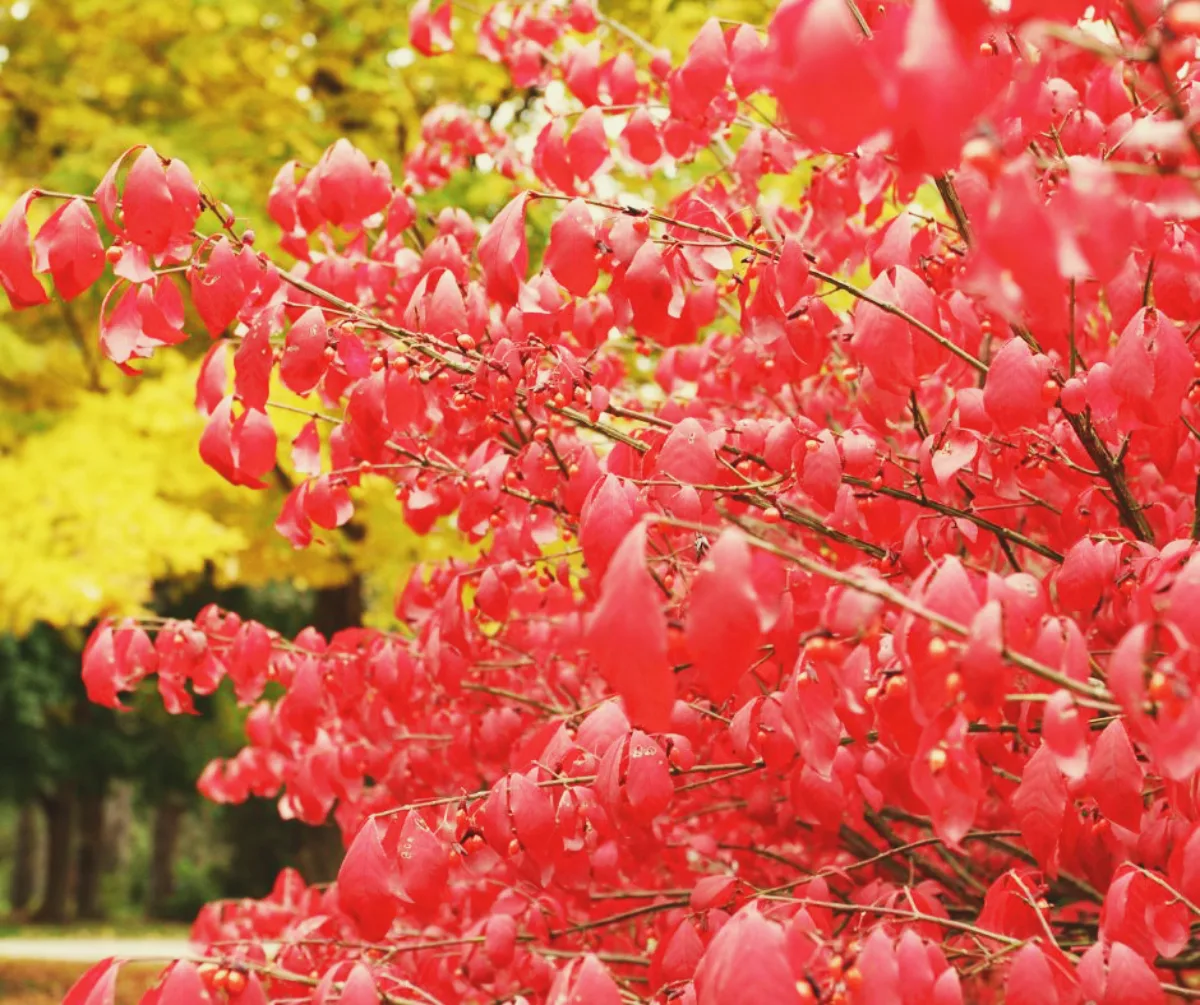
{"x":987,"y":49}
{"x":937,"y":759}
{"x":235,"y":983}
{"x":465,"y":342}
{"x":1159,"y":685}
{"x":113,"y":255}
{"x":772,"y":515}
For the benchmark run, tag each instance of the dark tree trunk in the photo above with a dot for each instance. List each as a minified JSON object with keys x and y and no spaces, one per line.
{"x":338,"y":607}
{"x":164,"y":843}
{"x":56,"y":890}
{"x":90,"y":857}
{"x":118,"y":823}
{"x":23,"y":880}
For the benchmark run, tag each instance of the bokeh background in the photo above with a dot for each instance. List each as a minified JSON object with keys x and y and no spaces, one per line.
{"x":105,"y":507}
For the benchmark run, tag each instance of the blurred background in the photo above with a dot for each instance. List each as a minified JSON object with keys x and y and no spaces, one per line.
{"x":107,"y":508}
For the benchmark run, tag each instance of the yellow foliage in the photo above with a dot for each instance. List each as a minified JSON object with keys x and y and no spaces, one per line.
{"x":104,"y":490}
{"x":115,"y":497}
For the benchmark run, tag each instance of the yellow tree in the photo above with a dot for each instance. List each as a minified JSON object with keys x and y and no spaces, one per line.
{"x":106,"y":496}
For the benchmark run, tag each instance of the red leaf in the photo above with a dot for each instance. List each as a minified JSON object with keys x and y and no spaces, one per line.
{"x":702,"y":76}
{"x":304,"y":362}
{"x":1013,"y":393}
{"x":746,"y":964}
{"x":293,"y":522}
{"x":648,"y":288}
{"x":640,"y":137}
{"x":723,"y":628}
{"x":747,"y":61}
{"x":252,"y":368}
{"x":1086,"y":572}
{"x":183,"y":985}
{"x":16,"y":262}
{"x":364,"y":884}
{"x":648,"y":785}
{"x":1131,"y":981}
{"x":212,"y":384}
{"x":97,"y":985}
{"x":360,"y":987}
{"x":1065,"y":733}
{"x":957,"y":450}
{"x":608,"y":514}
{"x":1114,"y":777}
{"x":571,"y":253}
{"x":349,"y":188}
{"x":504,"y":253}
{"x":1040,"y":805}
{"x":627,"y":635}
{"x":584,"y":980}
{"x":69,"y":247}
{"x":424,"y":864}
{"x":306,"y":450}
{"x":822,"y":74}
{"x":880,"y":970}
{"x":430,"y":35}
{"x":687,"y":455}
{"x":217,"y":289}
{"x":946,"y":776}
{"x":328,"y":504}
{"x":500,"y":939}
{"x":147,"y":203}
{"x":101,"y":673}
{"x":587,"y":146}
{"x":1150,"y":368}
{"x":1030,"y":980}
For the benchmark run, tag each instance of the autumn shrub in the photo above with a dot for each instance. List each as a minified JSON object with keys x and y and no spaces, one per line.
{"x":834,"y":634}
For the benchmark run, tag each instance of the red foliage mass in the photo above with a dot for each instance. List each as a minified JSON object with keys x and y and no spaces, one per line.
{"x":856,"y":658}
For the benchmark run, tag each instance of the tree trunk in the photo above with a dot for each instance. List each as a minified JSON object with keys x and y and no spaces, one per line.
{"x":338,"y":607}
{"x":22,"y":885}
{"x":90,"y":858}
{"x":56,"y":890}
{"x":164,"y":843}
{"x":118,"y":824}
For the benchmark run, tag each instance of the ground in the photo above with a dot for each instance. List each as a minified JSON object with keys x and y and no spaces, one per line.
{"x":39,"y":965}
{"x":42,"y":982}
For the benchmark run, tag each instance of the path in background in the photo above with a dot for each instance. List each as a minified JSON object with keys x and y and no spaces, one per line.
{"x":89,"y":950}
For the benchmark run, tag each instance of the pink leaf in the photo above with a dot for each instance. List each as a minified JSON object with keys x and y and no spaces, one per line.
{"x":69,"y":247}
{"x":504,"y":253}
{"x":723,"y":630}
{"x":1114,"y":777}
{"x":16,"y":261}
{"x":627,"y":635}
{"x":364,"y":884}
